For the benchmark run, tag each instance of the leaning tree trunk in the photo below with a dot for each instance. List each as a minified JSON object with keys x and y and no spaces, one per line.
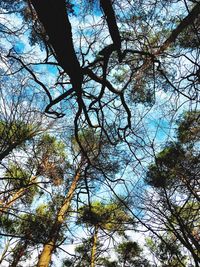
{"x":16,"y":196}
{"x":45,"y":256}
{"x":94,"y":246}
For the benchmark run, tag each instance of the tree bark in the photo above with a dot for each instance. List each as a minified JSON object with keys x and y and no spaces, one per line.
{"x":53,"y":15}
{"x":45,"y":256}
{"x":112,"y":24}
{"x":94,"y":246}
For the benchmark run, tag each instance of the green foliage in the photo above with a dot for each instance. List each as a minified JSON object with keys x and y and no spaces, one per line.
{"x":83,"y":252}
{"x":189,"y":38}
{"x":51,"y":158}
{"x":188,"y":217}
{"x":129,"y":254}
{"x":19,"y":253}
{"x":34,"y":227}
{"x":82,"y":257}
{"x":110,"y":217}
{"x":7,"y":224}
{"x":41,"y":221}
{"x":175,"y":175}
{"x":67,"y":263}
{"x":167,"y":252}
{"x":15,"y":133}
{"x":49,"y":146}
{"x":17,"y":176}
{"x":189,"y":127}
{"x":176,"y":161}
{"x":89,"y":140}
{"x":128,"y":250}
{"x":163,"y":172}
{"x":106,"y":262}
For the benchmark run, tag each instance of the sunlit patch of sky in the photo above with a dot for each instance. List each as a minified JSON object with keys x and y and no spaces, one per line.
{"x":82,"y":7}
{"x":19,"y":47}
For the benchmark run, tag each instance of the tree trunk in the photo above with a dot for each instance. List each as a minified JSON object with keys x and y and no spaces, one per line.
{"x":7,"y":151}
{"x":45,"y":256}
{"x":53,"y":15}
{"x":17,"y":195}
{"x":94,"y":246}
{"x":112,"y":24}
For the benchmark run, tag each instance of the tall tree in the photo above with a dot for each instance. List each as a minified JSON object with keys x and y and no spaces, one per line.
{"x":130,"y":254}
{"x":109,"y":218}
{"x":175,"y":178}
{"x":89,"y":158}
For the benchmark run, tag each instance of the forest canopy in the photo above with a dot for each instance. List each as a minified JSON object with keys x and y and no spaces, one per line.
{"x":99,"y":133}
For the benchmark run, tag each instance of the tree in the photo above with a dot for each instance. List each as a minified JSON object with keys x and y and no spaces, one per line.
{"x":45,"y":164}
{"x":175,"y":179}
{"x":109,"y":218}
{"x":41,"y":221}
{"x":19,"y":122}
{"x":129,"y":254}
{"x":20,"y":116}
{"x":166,"y":252}
{"x":85,"y":168}
{"x":48,"y":166}
{"x":83,"y":254}
{"x":48,"y":159}
{"x":23,"y":187}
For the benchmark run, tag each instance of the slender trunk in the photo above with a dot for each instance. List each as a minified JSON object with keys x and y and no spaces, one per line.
{"x":45,"y":256}
{"x":94,"y":246}
{"x":16,"y":196}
